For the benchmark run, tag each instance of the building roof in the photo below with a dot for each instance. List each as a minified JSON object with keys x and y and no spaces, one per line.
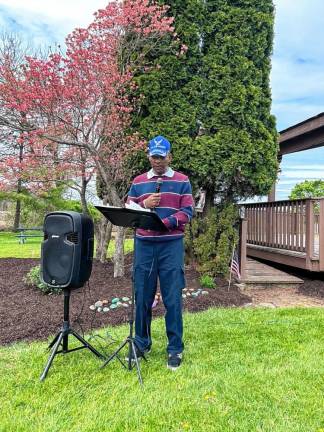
{"x":305,"y":135}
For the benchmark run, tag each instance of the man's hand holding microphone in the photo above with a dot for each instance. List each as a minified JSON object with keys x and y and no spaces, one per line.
{"x":154,"y":200}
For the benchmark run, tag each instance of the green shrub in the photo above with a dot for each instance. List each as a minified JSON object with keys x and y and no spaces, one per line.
{"x":207,"y":281}
{"x":33,"y":279}
{"x":213,"y":239}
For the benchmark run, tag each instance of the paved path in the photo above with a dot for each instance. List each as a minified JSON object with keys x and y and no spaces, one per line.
{"x":281,"y":297}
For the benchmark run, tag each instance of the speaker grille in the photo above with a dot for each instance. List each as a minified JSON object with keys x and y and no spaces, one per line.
{"x":73,"y":237}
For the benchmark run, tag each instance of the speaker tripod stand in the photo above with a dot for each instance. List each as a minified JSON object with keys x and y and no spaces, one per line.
{"x":62,"y":338}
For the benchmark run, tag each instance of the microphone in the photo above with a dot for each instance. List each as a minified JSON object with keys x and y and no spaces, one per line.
{"x":158,"y":185}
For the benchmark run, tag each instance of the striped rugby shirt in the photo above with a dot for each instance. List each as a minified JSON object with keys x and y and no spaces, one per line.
{"x":176,"y":205}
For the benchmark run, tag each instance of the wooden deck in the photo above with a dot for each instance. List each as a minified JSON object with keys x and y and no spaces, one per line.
{"x":260,"y":275}
{"x":289,"y":232}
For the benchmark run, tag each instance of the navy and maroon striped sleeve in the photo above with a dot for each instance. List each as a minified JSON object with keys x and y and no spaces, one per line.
{"x":134,"y":196}
{"x":185,"y":212}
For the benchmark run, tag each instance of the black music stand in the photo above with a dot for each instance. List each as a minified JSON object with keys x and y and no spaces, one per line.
{"x":130,"y":218}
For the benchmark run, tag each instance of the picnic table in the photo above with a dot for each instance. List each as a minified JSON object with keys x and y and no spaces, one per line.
{"x":24,"y":233}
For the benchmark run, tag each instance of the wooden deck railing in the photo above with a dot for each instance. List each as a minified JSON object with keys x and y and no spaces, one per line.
{"x":292,"y":228}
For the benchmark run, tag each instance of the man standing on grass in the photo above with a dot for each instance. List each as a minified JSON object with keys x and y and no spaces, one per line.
{"x":161,"y":254}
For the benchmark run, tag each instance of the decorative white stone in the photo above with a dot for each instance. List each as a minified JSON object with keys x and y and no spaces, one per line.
{"x":125,"y":304}
{"x":98,"y":303}
{"x":125,"y":299}
{"x":204,"y":292}
{"x":105,"y":309}
{"x":92,"y":307}
{"x":99,"y":309}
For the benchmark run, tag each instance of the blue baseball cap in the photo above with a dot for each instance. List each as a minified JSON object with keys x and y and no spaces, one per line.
{"x":159,"y":146}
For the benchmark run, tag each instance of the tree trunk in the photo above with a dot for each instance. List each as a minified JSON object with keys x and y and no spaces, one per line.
{"x":209,"y":203}
{"x":84,"y":204}
{"x":105,"y":242}
{"x":19,"y":188}
{"x":113,"y":199}
{"x":103,"y":234}
{"x":17,"y":214}
{"x":119,"y":269}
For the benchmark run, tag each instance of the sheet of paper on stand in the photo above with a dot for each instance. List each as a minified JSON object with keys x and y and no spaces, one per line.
{"x":134,"y":206}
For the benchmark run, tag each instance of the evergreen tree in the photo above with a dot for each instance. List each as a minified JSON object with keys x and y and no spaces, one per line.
{"x":240,"y":136}
{"x":172,"y":90}
{"x":213,"y":104}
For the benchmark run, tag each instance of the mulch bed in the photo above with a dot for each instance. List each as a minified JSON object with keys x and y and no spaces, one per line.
{"x":312,"y":287}
{"x":28,"y":314}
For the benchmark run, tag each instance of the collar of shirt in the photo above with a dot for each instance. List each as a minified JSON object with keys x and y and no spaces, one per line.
{"x":169,"y":173}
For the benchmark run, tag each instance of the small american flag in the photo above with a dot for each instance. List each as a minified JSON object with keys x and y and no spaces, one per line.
{"x":235,"y":265}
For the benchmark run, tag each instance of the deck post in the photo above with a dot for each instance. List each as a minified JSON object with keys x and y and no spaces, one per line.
{"x":268,"y":227}
{"x":242,"y":251}
{"x":309,"y":233}
{"x":321,"y":235}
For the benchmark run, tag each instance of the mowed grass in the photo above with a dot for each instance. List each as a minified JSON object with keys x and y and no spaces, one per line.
{"x":11,"y":248}
{"x":244,"y":370}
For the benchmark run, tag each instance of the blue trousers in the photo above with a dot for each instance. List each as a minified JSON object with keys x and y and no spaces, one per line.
{"x":163,"y":260}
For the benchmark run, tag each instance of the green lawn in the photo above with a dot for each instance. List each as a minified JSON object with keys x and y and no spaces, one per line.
{"x":245,"y":370}
{"x":11,"y":248}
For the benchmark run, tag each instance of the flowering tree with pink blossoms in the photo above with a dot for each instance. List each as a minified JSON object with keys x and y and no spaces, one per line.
{"x":77,"y":104}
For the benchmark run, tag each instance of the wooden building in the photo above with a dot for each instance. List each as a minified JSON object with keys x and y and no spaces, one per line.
{"x":289,"y":232}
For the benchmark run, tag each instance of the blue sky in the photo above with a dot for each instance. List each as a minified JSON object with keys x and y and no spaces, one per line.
{"x":297,"y":82}
{"x":297,"y":77}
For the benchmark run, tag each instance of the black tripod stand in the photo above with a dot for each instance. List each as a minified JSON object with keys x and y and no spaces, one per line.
{"x":134,"y":219}
{"x":62,"y":338}
{"x":130,"y":341}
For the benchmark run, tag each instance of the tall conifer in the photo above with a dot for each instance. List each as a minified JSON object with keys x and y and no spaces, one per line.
{"x":213,"y":102}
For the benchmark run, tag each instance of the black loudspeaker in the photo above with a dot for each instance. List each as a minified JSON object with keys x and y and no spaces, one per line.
{"x":67,"y":249}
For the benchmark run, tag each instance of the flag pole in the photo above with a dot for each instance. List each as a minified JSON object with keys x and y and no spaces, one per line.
{"x":230,"y":276}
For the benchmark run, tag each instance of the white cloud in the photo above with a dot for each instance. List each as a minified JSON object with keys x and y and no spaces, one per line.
{"x":303,"y":173}
{"x":288,"y":113}
{"x":305,"y":167}
{"x":78,"y":12}
{"x":293,"y":80}
{"x":297,"y":76}
{"x":47,"y":22}
{"x":298,"y":27}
